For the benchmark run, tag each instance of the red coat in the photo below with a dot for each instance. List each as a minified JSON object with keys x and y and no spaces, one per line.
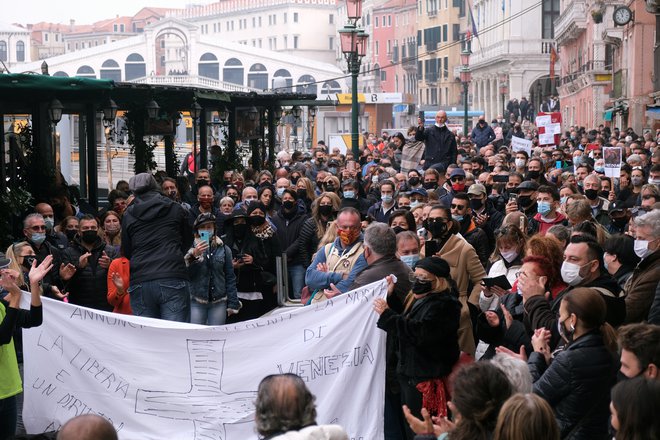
{"x":121,"y":304}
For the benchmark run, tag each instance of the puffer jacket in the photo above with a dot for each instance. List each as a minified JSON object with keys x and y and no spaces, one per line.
{"x":577,"y":385}
{"x":212,"y":275}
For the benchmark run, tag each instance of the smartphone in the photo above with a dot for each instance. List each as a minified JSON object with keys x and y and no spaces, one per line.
{"x":421,"y":116}
{"x":431,"y":247}
{"x":205,"y":236}
{"x":351,"y":165}
{"x":558,"y":165}
{"x":513,"y":197}
{"x":238,"y":256}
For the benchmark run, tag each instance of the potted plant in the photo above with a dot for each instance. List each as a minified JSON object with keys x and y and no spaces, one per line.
{"x":597,"y":12}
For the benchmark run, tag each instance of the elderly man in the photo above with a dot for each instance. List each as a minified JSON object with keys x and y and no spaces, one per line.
{"x":285,"y":409}
{"x":155,"y":236}
{"x":57,"y":239}
{"x":248,"y":196}
{"x":440,"y":142}
{"x":339,"y":262}
{"x":641,"y":286}
{"x":87,"y":427}
{"x":35,"y":232}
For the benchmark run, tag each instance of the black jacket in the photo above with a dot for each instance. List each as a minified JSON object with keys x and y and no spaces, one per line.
{"x":427,"y":336}
{"x":577,"y":385}
{"x":155,"y":235}
{"x":89,"y":285}
{"x":254,"y":277}
{"x":288,"y":232}
{"x":440,"y":145}
{"x":308,"y":241}
{"x":541,"y":313}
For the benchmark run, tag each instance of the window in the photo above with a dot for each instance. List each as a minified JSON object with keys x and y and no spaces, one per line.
{"x":376,"y":22}
{"x":331,"y":18}
{"x":444,"y":32}
{"x":274,"y":19}
{"x":122,"y":28}
{"x":389,"y":20}
{"x":254,"y":22}
{"x":115,"y":27}
{"x":295,"y":41}
{"x":295,"y":17}
{"x":286,"y":42}
{"x":57,"y":37}
{"x":445,"y":69}
{"x":3,"y":51}
{"x":331,"y":43}
{"x":376,"y":48}
{"x":286,"y":18}
{"x":456,"y":32}
{"x":45,"y":36}
{"x":389,"y":47}
{"x":259,"y":21}
{"x":20,"y":51}
{"x":549,"y":15}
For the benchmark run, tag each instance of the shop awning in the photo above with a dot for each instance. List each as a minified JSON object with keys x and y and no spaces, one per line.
{"x":607,"y":114}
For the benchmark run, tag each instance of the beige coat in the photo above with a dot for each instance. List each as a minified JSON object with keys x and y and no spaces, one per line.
{"x":465,"y":267}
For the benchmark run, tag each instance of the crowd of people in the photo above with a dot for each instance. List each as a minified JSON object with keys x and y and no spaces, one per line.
{"x":535,"y":264}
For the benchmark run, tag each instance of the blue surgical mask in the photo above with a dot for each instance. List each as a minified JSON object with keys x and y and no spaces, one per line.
{"x":349,"y":194}
{"x":458,"y":218}
{"x":387,"y":198}
{"x":410,"y":260}
{"x":280,"y":192}
{"x":543,"y":208}
{"x":333,"y":171}
{"x":563,"y":200}
{"x":414,"y":204}
{"x":38,"y":238}
{"x":599,"y":169}
{"x":50,"y":222}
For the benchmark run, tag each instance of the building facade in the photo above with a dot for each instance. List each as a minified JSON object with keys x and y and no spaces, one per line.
{"x":511,"y":53}
{"x":14,"y":47}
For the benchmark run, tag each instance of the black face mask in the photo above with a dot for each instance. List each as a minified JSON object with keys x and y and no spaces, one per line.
{"x":533,"y":174}
{"x":257,"y":220}
{"x":289,"y":205}
{"x":325,"y":210}
{"x":524,"y":201}
{"x":240,"y":230}
{"x":302,"y":193}
{"x":28,"y":260}
{"x":413,"y":181}
{"x":605,"y":194}
{"x":70,"y":233}
{"x":436,"y":228}
{"x":330,"y":188}
{"x":319,"y":185}
{"x":620,"y":222}
{"x":89,"y":237}
{"x":591,"y":194}
{"x":430,"y":185}
{"x":421,"y":287}
{"x":202,"y":182}
{"x":476,"y":204}
{"x":294,"y":180}
{"x":398,"y":229}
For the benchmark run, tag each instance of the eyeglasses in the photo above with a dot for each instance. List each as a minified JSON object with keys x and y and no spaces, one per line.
{"x":412,"y":278}
{"x":37,"y":228}
{"x":457,"y":207}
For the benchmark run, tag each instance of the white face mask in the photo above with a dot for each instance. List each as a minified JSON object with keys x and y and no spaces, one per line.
{"x":570,"y":273}
{"x":642,"y":248}
{"x":509,"y":256}
{"x":520,"y":163}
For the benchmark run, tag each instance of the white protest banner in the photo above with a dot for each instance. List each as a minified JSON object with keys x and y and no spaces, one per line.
{"x":612,"y":158}
{"x":155,"y":379}
{"x":553,"y":128}
{"x":546,"y":139}
{"x":520,"y":144}
{"x":542,"y":121}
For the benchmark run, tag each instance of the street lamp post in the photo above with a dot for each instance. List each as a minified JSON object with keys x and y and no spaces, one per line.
{"x":354,"y":46}
{"x":466,"y":77}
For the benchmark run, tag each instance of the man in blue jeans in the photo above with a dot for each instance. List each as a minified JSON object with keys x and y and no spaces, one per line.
{"x":155,"y":236}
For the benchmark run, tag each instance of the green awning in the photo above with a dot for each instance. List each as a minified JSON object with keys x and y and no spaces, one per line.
{"x":43,"y":83}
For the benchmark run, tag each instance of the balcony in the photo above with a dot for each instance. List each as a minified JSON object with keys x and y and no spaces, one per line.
{"x":409,"y":64}
{"x":594,"y":72}
{"x":572,"y":22}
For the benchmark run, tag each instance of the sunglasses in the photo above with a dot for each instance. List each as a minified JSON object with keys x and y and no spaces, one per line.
{"x":458,"y":207}
{"x":457,"y":178}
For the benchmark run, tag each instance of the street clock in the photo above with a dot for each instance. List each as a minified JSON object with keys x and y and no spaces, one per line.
{"x":622,"y":15}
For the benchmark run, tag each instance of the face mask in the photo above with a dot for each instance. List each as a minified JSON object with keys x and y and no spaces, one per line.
{"x":458,"y":187}
{"x":413,"y":181}
{"x":398,"y":229}
{"x":605,"y":194}
{"x":414,"y":204}
{"x":302,"y":193}
{"x":436,"y":228}
{"x":294,"y":179}
{"x":348,"y":237}
{"x":570,"y":273}
{"x":50,"y":222}
{"x":599,"y":169}
{"x":524,"y":201}
{"x":430,"y":185}
{"x":349,"y":194}
{"x":257,"y":220}
{"x":332,"y":170}
{"x":637,"y":181}
{"x":420,"y":287}
{"x":563,"y":200}
{"x":458,"y":218}
{"x":509,"y":256}
{"x":577,"y":160}
{"x":280,"y":192}
{"x":289,"y":205}
{"x":330,"y":188}
{"x":319,"y":185}
{"x":38,"y":238}
{"x":654,"y":181}
{"x":325,"y":210}
{"x":248,"y":201}
{"x":566,"y":334}
{"x":202,"y":182}
{"x":520,"y":163}
{"x":89,"y":237}
{"x":70,"y":233}
{"x":642,"y":248}
{"x":112,"y":229}
{"x":206,"y":204}
{"x":543,"y":208}
{"x":533,"y":174}
{"x":591,"y":194}
{"x":410,"y":260}
{"x":387,"y":198}
{"x":476,"y":204}
{"x":28,"y":260}
{"x":240,"y":230}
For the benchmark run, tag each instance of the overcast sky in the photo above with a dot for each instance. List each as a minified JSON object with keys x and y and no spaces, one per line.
{"x":84,"y":12}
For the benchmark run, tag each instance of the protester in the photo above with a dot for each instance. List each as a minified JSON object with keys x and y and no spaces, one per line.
{"x":87,"y":427}
{"x":634,"y":409}
{"x":526,"y":417}
{"x":324,"y":210}
{"x":639,"y":345}
{"x":119,"y":275}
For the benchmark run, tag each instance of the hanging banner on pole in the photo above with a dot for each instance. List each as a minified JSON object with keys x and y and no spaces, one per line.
{"x":155,"y":379}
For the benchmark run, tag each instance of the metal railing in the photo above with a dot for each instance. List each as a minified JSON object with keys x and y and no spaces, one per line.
{"x":195,"y":80}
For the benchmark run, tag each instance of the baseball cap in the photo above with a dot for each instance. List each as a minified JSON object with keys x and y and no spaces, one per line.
{"x":420,"y":191}
{"x":529,"y":184}
{"x":457,"y":172}
{"x":477,"y":189}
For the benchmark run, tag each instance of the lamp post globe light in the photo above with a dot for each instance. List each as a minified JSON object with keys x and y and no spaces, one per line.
{"x":353,"y":41}
{"x":466,"y":77}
